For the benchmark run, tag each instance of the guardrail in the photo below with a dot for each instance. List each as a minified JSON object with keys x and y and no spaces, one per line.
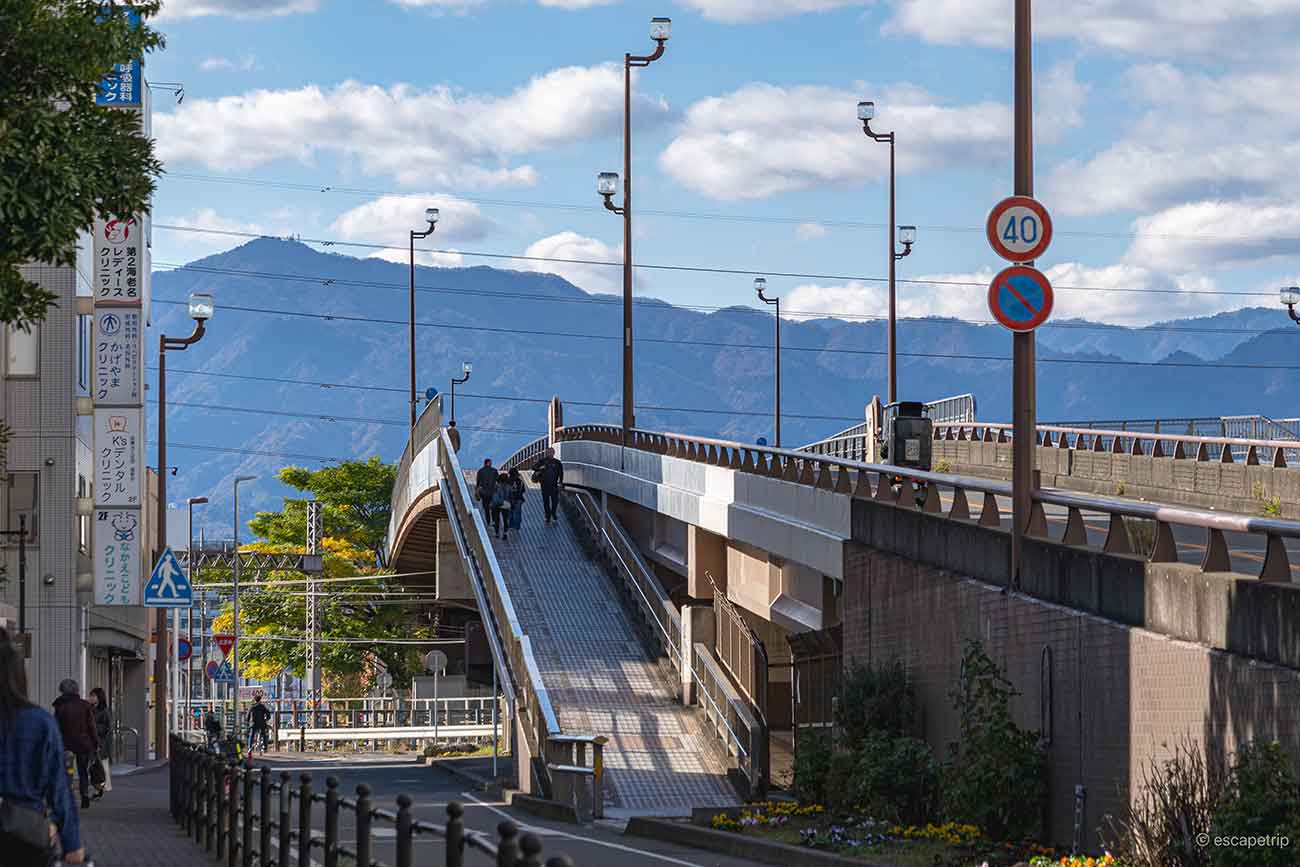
{"x":735,"y":726}
{"x":1138,"y":443}
{"x":527,"y":455}
{"x":411,"y":712}
{"x":246,"y":814}
{"x":426,"y":430}
{"x":854,"y":443}
{"x":919,"y":489}
{"x":511,"y":647}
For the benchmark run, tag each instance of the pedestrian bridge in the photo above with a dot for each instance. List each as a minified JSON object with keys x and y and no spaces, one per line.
{"x":701,"y":598}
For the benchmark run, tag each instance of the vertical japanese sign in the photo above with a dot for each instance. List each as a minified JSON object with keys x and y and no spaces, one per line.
{"x":119,"y":538}
{"x":121,"y":290}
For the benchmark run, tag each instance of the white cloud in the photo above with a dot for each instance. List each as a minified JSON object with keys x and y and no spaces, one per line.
{"x":235,"y":8}
{"x":810,"y":231}
{"x":570,"y":245}
{"x":1197,"y":137}
{"x":436,"y":135}
{"x":576,"y":4}
{"x":1211,"y":28}
{"x":761,"y":10}
{"x":1215,"y":234}
{"x":964,"y":295}
{"x":763,"y":139}
{"x":388,"y":217}
{"x":216,"y":64}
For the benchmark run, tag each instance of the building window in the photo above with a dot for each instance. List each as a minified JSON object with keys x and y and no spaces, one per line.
{"x":83,"y":521}
{"x":23,"y":357}
{"x":24,"y":504}
{"x":83,"y":356}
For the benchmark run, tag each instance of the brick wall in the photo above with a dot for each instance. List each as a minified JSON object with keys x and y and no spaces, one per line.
{"x":1118,"y":695}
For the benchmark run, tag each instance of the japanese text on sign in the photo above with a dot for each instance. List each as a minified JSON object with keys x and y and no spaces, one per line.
{"x":118,"y":474}
{"x":121,"y":86}
{"x":118,"y":539}
{"x":117,"y":262}
{"x":118,"y":338}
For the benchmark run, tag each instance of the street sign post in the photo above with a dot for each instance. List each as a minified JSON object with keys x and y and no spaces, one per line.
{"x":1019,"y":229}
{"x":1020,"y":298}
{"x":224,"y":642}
{"x":224,"y":673}
{"x":168,"y":586}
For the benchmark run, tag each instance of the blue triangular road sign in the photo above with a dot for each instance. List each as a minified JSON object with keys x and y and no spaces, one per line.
{"x":225,"y":674}
{"x":168,"y":586}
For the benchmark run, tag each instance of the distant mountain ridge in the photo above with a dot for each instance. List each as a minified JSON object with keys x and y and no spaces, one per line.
{"x":718,"y":363}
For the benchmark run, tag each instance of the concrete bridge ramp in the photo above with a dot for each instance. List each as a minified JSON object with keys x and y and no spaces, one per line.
{"x":599,"y":676}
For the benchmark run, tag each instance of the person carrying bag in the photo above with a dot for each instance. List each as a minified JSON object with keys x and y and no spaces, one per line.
{"x":38,"y":816}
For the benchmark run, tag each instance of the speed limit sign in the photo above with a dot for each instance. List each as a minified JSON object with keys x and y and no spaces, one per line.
{"x":1019,"y":229}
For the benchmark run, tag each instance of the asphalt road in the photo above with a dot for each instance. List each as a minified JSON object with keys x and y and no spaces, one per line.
{"x":431,"y":790}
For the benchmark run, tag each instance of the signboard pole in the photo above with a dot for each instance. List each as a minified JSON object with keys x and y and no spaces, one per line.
{"x":1024,"y":410}
{"x":160,"y":661}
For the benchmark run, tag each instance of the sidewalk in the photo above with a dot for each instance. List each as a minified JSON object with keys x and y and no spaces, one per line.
{"x":130,"y":826}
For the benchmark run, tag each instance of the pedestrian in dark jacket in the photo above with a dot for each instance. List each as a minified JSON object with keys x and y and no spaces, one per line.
{"x":77,"y":725}
{"x":549,"y":474}
{"x":103,"y":721}
{"x":33,"y":777}
{"x":501,"y":507}
{"x":485,"y":485}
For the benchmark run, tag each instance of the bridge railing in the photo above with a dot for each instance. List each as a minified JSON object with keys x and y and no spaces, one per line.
{"x":854,"y":443}
{"x":527,"y":455}
{"x":426,"y":430}
{"x":407,"y":712}
{"x":248,"y":815}
{"x":1158,"y":443}
{"x":919,"y":489}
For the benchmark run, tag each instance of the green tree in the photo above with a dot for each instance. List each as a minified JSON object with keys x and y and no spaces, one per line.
{"x":356,"y":498}
{"x":64,"y":161}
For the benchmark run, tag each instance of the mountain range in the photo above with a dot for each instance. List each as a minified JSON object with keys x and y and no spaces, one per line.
{"x":306,"y":359}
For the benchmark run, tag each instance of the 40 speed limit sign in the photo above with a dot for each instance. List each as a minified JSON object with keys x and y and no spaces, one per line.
{"x":1019,"y":229}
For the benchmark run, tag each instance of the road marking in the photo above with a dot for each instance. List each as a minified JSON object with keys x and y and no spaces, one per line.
{"x":534,"y":829}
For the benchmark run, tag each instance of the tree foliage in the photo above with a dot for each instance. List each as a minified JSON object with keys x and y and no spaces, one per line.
{"x":64,"y":161}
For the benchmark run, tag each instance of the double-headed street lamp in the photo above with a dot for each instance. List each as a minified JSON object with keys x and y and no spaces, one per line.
{"x":234,"y":625}
{"x":466,"y":369}
{"x":906,"y":237}
{"x":1290,"y":298}
{"x":607,"y":185}
{"x":430,"y":214}
{"x":760,"y":284}
{"x":200,"y":309}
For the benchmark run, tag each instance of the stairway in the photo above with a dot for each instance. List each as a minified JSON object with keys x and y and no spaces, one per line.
{"x":600,"y":678}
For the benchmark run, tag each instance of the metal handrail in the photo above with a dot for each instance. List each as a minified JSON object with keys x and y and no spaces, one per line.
{"x":527,"y":453}
{"x":958,"y":408}
{"x":844,"y":476}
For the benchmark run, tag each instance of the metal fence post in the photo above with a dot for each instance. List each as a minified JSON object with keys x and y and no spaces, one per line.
{"x":232,"y":803}
{"x":264,"y":811}
{"x":332,"y":822}
{"x":222,"y":775}
{"x":508,"y":848}
{"x":455,"y":835}
{"x":532,"y":847}
{"x":212,"y":811}
{"x":246,"y":810}
{"x":560,"y":861}
{"x":200,"y":798}
{"x":404,"y":843}
{"x":363,"y":824}
{"x":286,"y":821}
{"x":304,"y":821}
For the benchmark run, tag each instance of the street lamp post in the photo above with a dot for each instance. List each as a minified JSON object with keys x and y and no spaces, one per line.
{"x":234,"y":626}
{"x":760,"y":284}
{"x":1290,"y":296}
{"x":203,"y":630}
{"x":607,"y":185}
{"x":200,"y":310}
{"x":430,"y":214}
{"x":906,"y":236}
{"x":466,"y":369}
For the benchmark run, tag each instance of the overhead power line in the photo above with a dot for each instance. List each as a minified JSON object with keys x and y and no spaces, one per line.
{"x":330,"y":418}
{"x":698,"y":269}
{"x":765,"y":347}
{"x":664,"y":307}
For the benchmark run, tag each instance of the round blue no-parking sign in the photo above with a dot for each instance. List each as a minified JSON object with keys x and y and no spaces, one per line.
{"x":1020,"y":298}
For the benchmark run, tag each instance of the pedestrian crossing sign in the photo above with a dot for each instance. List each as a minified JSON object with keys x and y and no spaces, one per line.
{"x":224,"y":673}
{"x":168,"y":586}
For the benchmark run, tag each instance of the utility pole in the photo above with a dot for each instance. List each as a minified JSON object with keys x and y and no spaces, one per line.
{"x":314,"y":528}
{"x":1024,"y":410}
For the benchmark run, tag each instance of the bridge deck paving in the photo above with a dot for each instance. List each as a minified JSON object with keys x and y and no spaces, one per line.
{"x":600,"y":678}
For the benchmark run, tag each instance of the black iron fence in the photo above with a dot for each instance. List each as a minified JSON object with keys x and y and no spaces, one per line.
{"x":252,"y":816}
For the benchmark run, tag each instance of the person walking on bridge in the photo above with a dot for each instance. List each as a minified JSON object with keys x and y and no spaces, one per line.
{"x":549,"y":474}
{"x":485,"y":485}
{"x":515,"y":501}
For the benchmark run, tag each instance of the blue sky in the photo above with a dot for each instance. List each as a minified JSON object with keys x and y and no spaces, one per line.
{"x":1167,"y":140}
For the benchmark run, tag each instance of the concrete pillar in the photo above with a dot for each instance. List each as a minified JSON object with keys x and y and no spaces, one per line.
{"x":554,"y":417}
{"x":697,"y":626}
{"x":875,"y":418}
{"x":450,"y":575}
{"x":706,"y":554}
{"x":523,"y":759}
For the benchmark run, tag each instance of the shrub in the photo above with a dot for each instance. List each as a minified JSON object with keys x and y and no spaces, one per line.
{"x":812,"y":767}
{"x":1171,"y":808}
{"x":896,"y":778}
{"x":1261,"y":798}
{"x":875,"y":699}
{"x":996,"y":775}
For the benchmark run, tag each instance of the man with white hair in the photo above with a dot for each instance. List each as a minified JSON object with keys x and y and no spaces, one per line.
{"x":77,"y":724}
